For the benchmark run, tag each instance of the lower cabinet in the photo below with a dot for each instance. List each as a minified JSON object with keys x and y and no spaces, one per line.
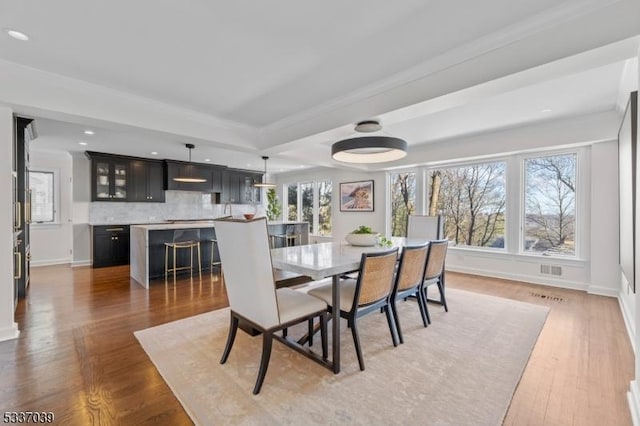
{"x":110,"y":245}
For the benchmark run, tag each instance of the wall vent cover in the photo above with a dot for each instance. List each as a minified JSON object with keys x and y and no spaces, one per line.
{"x":551,"y":270}
{"x":547,"y":297}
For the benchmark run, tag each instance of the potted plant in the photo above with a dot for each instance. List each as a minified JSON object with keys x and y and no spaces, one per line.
{"x":362,"y":236}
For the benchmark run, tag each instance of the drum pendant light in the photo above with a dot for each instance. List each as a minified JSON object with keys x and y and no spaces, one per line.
{"x":369,"y":148}
{"x":264,"y":183}
{"x":189,"y":178}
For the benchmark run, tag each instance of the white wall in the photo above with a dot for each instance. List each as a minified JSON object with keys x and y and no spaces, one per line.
{"x":8,"y":328}
{"x":51,"y":244}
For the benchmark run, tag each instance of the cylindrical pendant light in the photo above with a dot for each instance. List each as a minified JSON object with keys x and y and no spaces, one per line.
{"x":264,"y":183}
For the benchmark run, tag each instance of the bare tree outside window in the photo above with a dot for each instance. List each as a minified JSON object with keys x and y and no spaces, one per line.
{"x":292,"y":201}
{"x":318,"y":215}
{"x":403,"y":202}
{"x":325,"y":189}
{"x":472,"y":199}
{"x":550,"y":204}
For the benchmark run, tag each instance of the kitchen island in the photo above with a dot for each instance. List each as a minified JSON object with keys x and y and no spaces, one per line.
{"x":147,"y":245}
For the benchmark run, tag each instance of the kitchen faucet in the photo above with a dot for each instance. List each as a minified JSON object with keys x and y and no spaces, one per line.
{"x":224,"y":210}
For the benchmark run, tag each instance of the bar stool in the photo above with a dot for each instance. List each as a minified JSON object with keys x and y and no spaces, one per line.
{"x":291,"y":238}
{"x":214,"y":248}
{"x":182,"y":239}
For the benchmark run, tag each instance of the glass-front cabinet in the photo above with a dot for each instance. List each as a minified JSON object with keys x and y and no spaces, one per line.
{"x":110,"y":179}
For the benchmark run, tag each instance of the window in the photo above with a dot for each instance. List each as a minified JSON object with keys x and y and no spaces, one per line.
{"x":292,"y":201}
{"x":472,"y":199}
{"x":311,"y":202}
{"x":403,"y":201}
{"x":306,"y":189}
{"x":325,"y":189}
{"x":42,"y":196}
{"x":550,"y":204}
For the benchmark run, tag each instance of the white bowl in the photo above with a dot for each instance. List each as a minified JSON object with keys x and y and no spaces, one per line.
{"x":362,"y":240}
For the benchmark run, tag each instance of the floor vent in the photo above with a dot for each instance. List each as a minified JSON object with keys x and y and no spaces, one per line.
{"x":547,"y":297}
{"x":551,"y":270}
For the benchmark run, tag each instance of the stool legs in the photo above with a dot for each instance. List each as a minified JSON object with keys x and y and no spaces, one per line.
{"x":175,"y":267}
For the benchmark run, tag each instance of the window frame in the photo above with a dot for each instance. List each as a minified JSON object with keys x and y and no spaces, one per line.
{"x":55,"y":196}
{"x":315,"y":188}
{"x":514,"y":207}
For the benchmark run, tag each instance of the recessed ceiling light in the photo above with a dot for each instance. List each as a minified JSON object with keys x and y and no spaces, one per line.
{"x":207,"y":159}
{"x":18,"y":35}
{"x":154,"y":153}
{"x":546,"y":110}
{"x":89,"y":132}
{"x":302,"y":166}
{"x":82,"y":143}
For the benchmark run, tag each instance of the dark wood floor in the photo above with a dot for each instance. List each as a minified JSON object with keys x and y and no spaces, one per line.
{"x":77,"y":356}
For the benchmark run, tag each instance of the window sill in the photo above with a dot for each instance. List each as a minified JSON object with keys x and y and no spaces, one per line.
{"x":501,"y":253}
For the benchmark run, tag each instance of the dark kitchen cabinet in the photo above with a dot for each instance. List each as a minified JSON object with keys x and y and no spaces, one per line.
{"x":109,"y":178}
{"x":110,"y":245}
{"x":146,"y":181}
{"x":238,"y":187}
{"x":181,"y":169}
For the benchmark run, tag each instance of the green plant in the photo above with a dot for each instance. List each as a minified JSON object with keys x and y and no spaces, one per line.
{"x":363,"y":229}
{"x":385,"y":242}
{"x":274,"y":209}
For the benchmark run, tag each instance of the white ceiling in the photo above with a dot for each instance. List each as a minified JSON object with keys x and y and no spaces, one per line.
{"x":295,"y":76}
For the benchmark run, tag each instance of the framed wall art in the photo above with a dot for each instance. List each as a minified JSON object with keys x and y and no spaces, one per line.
{"x":356,"y":196}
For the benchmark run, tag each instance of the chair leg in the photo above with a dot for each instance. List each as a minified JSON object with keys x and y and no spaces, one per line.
{"x":392,"y":325}
{"x":323,"y":334}
{"x":174,"y":265}
{"x":231,"y":337}
{"x":199,"y":263}
{"x":443,"y":299}
{"x":191,"y":261}
{"x":356,"y":342}
{"x":267,"y":339}
{"x":422,"y":304}
{"x":310,"y":332}
{"x":394,"y":310}
{"x":166,"y":262}
{"x":423,"y":293}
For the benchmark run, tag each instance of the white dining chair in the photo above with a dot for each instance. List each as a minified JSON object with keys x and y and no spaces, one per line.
{"x":253,"y":297}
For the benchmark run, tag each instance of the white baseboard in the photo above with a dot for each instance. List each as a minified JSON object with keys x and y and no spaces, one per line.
{"x":9,"y":333}
{"x":77,"y":263}
{"x":633,"y":398}
{"x":571,"y":285}
{"x":50,"y":262}
{"x":603,"y":291}
{"x":628,"y":321}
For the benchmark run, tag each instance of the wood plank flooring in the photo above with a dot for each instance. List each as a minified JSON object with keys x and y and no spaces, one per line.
{"x":77,"y":356}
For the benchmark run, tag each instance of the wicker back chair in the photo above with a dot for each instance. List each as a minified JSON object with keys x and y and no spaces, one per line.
{"x":434,"y":271}
{"x":409,"y":278}
{"x":369,"y":293}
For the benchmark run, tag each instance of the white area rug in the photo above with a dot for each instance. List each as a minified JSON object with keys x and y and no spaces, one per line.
{"x":461,"y":370}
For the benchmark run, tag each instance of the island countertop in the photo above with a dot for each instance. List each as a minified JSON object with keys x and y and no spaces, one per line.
{"x":147,"y":244}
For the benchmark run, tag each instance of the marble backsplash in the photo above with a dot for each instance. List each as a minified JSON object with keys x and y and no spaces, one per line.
{"x":178,"y":205}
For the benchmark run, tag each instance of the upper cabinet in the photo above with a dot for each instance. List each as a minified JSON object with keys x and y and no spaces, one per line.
{"x":109,"y":177}
{"x":120,"y":178}
{"x":238,"y":186}
{"x":146,"y":181}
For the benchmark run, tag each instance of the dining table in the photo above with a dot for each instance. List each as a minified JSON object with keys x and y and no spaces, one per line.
{"x":331,"y":259}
